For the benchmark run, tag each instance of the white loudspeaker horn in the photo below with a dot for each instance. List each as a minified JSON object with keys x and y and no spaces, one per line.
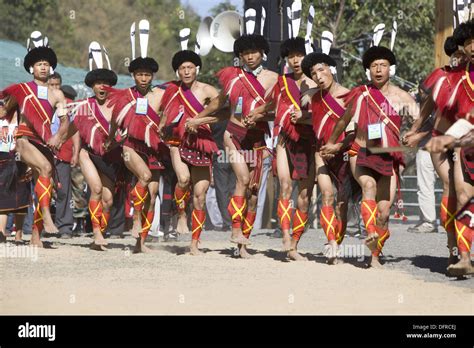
{"x":296,"y":17}
{"x":250,"y":20}
{"x":203,"y":36}
{"x":225,"y":29}
{"x":184,"y":35}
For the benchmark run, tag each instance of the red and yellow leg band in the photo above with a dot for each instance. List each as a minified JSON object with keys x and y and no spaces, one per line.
{"x":197,"y":223}
{"x":300,"y":219}
{"x":328,"y":222}
{"x":247,"y":223}
{"x":284,"y":213}
{"x":237,"y":208}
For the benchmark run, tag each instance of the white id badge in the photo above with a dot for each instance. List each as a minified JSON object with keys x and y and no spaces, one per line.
{"x":375,"y":131}
{"x":4,"y":147}
{"x":238,"y":107}
{"x":142,"y":106}
{"x":43,"y":92}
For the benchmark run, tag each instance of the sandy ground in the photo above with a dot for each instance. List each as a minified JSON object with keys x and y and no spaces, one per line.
{"x":72,"y":279}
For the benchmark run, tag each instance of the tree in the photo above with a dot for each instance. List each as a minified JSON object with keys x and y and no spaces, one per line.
{"x":352,"y":22}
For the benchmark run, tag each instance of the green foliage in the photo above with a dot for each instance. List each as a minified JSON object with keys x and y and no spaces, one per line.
{"x":414,"y":47}
{"x":71,"y":25}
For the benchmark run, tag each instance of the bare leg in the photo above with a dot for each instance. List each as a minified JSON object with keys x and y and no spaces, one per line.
{"x":19,"y":219}
{"x":92,"y":177}
{"x":3,"y":226}
{"x":140,"y":169}
{"x":201,"y":179}
{"x":386,"y":189}
{"x":153,"y":188}
{"x":184,"y":177}
{"x":464,"y":192}
{"x":32,"y":157}
{"x":369,"y":192}
{"x":286,"y":188}
{"x":242,"y":183}
{"x":445,"y":169}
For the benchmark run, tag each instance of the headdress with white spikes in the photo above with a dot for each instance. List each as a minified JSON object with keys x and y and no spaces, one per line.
{"x":250,"y":21}
{"x":289,"y":16}
{"x":99,"y":73}
{"x":382,"y":51}
{"x":185,"y":55}
{"x":321,"y":57}
{"x":184,"y":35}
{"x":327,"y":39}
{"x":249,"y":39}
{"x":142,"y":62}
{"x":38,"y":49}
{"x":309,"y":28}
{"x":262,"y":20}
{"x":295,"y":18}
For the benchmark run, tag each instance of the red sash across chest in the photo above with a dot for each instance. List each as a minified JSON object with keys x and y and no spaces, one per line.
{"x":92,"y":125}
{"x":38,"y":112}
{"x":461,"y":101}
{"x":238,"y":83}
{"x":178,"y":99}
{"x":287,"y":96}
{"x":326,"y":112}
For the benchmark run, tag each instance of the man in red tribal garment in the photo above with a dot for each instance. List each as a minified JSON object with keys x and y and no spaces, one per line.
{"x":328,"y":108}
{"x":459,"y":109}
{"x":191,"y":142}
{"x":294,"y":160}
{"x":246,"y":87}
{"x":377,"y":109}
{"x":35,"y":144}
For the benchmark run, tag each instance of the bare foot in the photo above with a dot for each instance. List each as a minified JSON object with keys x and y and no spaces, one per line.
{"x":137,"y":225}
{"x":243,"y":253}
{"x":295,"y":256}
{"x":371,"y":241}
{"x":182,"y":226}
{"x":286,"y":241}
{"x":99,"y":238}
{"x":237,"y":237}
{"x":375,"y":263}
{"x":330,"y":251}
{"x":35,"y":239}
{"x":98,"y":247}
{"x":463,"y":267}
{"x":49,"y":226}
{"x":140,"y":247}
{"x":194,"y":250}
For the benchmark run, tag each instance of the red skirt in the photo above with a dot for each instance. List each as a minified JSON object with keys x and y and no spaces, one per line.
{"x":300,"y":154}
{"x":380,"y":163}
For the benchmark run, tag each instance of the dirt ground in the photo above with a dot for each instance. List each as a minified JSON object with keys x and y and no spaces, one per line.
{"x":69,"y":278}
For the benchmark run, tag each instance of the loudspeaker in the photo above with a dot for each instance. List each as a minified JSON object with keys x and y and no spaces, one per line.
{"x":275,"y":29}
